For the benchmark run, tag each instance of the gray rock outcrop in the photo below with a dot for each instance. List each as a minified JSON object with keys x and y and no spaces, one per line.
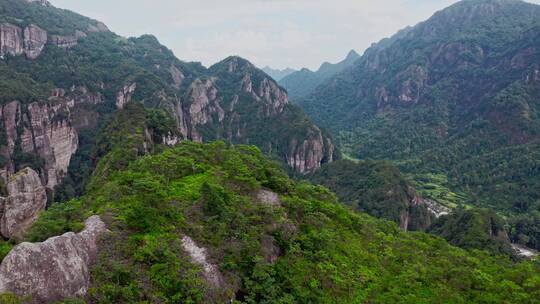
{"x":177,"y":76}
{"x":66,"y":42}
{"x":198,"y":255}
{"x":11,"y":40}
{"x":32,"y":39}
{"x":124,"y":95}
{"x":35,"y":39}
{"x":26,"y":199}
{"x":204,"y":103}
{"x":308,"y":154}
{"x":269,"y":198}
{"x":44,"y":130}
{"x":53,"y":270}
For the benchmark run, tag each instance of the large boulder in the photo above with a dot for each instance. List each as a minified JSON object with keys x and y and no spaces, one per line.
{"x":26,"y":199}
{"x":53,"y":270}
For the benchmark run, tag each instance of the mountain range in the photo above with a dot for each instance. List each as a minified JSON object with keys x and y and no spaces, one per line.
{"x":454,"y":96}
{"x":303,"y":82}
{"x":277,"y":74}
{"x":62,"y":73}
{"x":130,"y":176}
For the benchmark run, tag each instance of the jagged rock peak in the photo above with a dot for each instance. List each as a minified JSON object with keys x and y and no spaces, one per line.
{"x":54,"y":270}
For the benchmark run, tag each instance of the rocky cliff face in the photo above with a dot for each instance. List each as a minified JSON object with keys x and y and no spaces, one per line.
{"x":11,"y":40}
{"x":307,"y":155}
{"x":124,"y":95}
{"x":419,"y":214}
{"x":232,"y":100}
{"x":45,"y":135}
{"x":31,"y":40}
{"x":54,"y":270}
{"x":241,"y":104}
{"x":42,"y":132}
{"x":35,"y":39}
{"x":204,"y":104}
{"x":26,"y":199}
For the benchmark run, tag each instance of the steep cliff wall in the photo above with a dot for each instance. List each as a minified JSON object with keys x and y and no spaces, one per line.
{"x":45,"y":135}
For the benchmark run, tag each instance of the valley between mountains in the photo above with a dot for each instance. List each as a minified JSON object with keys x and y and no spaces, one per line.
{"x":407,"y":174}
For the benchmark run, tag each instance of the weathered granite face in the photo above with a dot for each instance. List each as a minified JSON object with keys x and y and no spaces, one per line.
{"x":35,"y":39}
{"x":269,"y":94}
{"x":199,"y":256}
{"x":26,"y":199}
{"x":48,"y":130}
{"x":273,"y":96}
{"x":306,"y":155}
{"x":31,"y":40}
{"x":204,"y":102}
{"x":54,"y":270}
{"x":207,"y":105}
{"x":177,"y":76}
{"x":64,"y":42}
{"x":124,"y":95}
{"x":11,"y":40}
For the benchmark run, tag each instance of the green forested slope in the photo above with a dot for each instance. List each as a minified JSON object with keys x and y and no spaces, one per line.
{"x":456,"y":95}
{"x":305,"y":249}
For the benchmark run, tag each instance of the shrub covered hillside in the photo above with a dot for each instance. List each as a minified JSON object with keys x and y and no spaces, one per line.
{"x":377,"y":188}
{"x":265,"y":238}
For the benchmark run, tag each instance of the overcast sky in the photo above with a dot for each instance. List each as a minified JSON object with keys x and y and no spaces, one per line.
{"x":278,"y":33}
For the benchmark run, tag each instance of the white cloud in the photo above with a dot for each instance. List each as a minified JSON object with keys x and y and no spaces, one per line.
{"x":279,"y":33}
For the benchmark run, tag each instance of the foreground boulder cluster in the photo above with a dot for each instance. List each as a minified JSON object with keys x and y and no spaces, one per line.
{"x":53,"y":270}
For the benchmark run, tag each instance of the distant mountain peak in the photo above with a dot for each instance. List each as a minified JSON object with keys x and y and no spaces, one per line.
{"x":278,"y":74}
{"x":303,"y":82}
{"x":233,"y":64}
{"x":352,"y":54}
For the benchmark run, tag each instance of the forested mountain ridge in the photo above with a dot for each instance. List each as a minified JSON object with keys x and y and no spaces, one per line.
{"x":110,"y":196}
{"x":455,"y":95}
{"x":304,"y":82}
{"x":61,"y":74}
{"x":212,"y":223}
{"x":379,"y":189}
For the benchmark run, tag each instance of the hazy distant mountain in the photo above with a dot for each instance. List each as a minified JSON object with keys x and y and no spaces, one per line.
{"x":278,"y":74}
{"x":304,"y":82}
